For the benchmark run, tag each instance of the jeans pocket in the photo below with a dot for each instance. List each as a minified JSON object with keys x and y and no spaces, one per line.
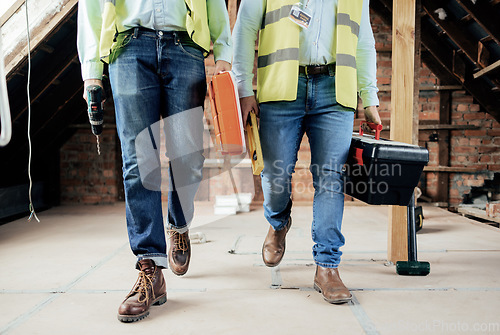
{"x":192,"y":50}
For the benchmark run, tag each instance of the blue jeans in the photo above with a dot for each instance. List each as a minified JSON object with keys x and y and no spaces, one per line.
{"x":154,"y":76}
{"x":328,"y":126}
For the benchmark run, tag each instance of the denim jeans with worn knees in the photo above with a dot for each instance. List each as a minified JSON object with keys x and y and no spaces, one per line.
{"x":156,"y":76}
{"x":328,"y":126}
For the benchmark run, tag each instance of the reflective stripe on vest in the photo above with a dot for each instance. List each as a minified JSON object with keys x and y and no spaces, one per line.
{"x":278,"y":57}
{"x":346,"y":81}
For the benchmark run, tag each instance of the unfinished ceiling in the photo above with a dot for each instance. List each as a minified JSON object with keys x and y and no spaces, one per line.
{"x":460,"y":42}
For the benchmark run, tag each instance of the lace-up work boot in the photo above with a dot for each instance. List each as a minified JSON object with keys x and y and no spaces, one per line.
{"x":179,"y":252}
{"x":149,"y":289}
{"x":273,"y":249}
{"x":327,"y":282}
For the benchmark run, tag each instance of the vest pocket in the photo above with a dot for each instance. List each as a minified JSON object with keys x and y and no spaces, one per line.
{"x":122,"y":40}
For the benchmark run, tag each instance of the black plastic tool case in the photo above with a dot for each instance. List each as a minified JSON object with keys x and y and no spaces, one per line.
{"x":383,"y":172}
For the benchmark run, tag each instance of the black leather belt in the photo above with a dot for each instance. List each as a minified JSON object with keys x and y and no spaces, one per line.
{"x":180,"y":35}
{"x":317,"y":69}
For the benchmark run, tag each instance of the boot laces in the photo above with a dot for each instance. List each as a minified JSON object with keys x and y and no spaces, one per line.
{"x":180,"y":240}
{"x":143,"y":286}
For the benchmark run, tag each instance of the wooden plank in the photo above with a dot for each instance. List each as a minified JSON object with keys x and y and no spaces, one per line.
{"x":11,"y":11}
{"x":450,"y":169}
{"x":441,"y":126}
{"x":403,"y":67}
{"x":478,"y":213}
{"x":487,"y":70}
{"x":387,"y":88}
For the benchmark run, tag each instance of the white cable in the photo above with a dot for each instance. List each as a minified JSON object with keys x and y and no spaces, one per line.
{"x":31,"y":208}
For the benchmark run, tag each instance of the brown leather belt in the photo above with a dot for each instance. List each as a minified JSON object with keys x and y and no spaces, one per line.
{"x":317,"y":69}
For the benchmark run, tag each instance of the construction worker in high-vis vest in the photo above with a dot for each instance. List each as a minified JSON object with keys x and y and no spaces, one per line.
{"x":314,"y":58}
{"x":156,"y":51}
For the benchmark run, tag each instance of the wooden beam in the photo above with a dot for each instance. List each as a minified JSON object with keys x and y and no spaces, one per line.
{"x":450,"y":169}
{"x":440,"y":126}
{"x":403,"y":67}
{"x":11,"y":11}
{"x":417,"y":63}
{"x":387,"y":88}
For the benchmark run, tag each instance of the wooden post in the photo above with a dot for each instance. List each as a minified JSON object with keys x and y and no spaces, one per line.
{"x":417,"y":65}
{"x":403,"y":55}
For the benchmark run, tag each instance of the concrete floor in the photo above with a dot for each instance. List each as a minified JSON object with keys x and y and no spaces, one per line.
{"x":69,"y":273}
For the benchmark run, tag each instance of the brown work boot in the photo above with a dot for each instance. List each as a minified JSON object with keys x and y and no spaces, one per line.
{"x":327,"y":282}
{"x":273,"y":249}
{"x":149,"y":289}
{"x":179,"y":252}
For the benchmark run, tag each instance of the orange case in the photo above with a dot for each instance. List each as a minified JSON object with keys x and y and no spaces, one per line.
{"x":226,"y":113}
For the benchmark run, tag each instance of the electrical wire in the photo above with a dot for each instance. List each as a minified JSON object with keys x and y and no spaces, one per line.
{"x":31,"y":207}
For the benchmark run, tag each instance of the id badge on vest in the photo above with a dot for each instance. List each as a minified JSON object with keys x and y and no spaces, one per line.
{"x":301,"y":15}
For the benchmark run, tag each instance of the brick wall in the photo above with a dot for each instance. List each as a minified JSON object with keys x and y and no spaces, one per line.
{"x":86,"y":177}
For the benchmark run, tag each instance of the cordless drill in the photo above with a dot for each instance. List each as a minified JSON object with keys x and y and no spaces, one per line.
{"x":95,"y":110}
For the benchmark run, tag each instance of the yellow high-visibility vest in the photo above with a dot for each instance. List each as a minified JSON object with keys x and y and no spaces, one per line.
{"x":196,"y":26}
{"x":278,"y":57}
{"x":197,"y":23}
{"x":108,"y":29}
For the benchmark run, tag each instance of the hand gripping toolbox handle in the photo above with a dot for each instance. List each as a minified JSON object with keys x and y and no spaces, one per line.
{"x":372,"y":125}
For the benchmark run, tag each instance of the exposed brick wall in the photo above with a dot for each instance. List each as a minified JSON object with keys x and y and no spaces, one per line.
{"x":86,"y":177}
